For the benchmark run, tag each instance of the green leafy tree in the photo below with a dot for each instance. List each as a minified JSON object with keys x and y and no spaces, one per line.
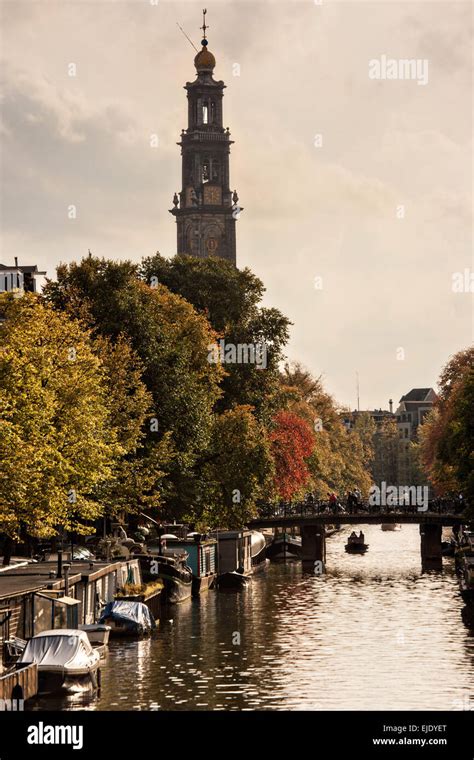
{"x":231,"y":299}
{"x":237,"y":470}
{"x":137,"y":477}
{"x":56,"y":443}
{"x":172,"y":341}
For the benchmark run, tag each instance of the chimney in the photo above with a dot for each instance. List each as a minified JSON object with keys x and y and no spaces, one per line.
{"x":16,"y":262}
{"x":390,"y":403}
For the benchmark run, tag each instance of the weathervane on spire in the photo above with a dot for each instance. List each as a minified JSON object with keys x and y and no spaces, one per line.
{"x":204,"y":27}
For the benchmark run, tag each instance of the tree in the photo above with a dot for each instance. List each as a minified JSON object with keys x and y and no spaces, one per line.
{"x":340,"y":458}
{"x":456,"y":447}
{"x":237,"y":470}
{"x":136,"y":481}
{"x":230,"y":298}
{"x":172,"y":341}
{"x":292,"y":444}
{"x":56,"y":444}
{"x":447,"y":434}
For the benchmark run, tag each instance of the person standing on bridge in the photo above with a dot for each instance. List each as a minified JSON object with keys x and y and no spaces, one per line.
{"x":333,"y":502}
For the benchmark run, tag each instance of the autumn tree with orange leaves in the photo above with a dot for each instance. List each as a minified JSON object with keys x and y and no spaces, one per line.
{"x":292,"y":443}
{"x":447,"y":435}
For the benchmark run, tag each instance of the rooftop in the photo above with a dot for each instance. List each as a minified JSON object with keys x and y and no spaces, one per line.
{"x":28,"y":578}
{"x":416,"y":394}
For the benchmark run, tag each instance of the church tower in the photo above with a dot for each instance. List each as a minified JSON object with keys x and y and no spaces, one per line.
{"x":206,"y":210}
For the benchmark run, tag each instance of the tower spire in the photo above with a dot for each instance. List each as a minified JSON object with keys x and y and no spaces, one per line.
{"x":205,"y":209}
{"x":204,"y":27}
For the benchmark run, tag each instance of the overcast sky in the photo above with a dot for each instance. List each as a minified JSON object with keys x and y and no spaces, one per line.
{"x":330,"y":212}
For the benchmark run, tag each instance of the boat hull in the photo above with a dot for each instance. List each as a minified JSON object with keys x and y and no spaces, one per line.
{"x":53,"y":682}
{"x":356,"y":548}
{"x":284,"y":547}
{"x":260,"y":565}
{"x":467,"y":592}
{"x":97,"y":634}
{"x":200,"y":585}
{"x":391,"y":526}
{"x":176,"y":590}
{"x":232,"y":581}
{"x":177,"y":579}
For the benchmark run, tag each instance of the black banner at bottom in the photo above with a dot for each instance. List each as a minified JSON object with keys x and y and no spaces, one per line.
{"x":111,"y":734}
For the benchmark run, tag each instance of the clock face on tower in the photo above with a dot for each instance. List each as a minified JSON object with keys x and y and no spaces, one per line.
{"x":212,"y":195}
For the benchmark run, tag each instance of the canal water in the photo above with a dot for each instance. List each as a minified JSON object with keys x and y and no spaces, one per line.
{"x":373,"y":633}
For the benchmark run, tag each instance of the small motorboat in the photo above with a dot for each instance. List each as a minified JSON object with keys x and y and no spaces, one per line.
{"x":234,"y":580}
{"x":391,"y":526}
{"x":127,"y":618}
{"x":356,"y":544}
{"x":285,"y":546}
{"x":97,"y":634}
{"x":66,"y":661}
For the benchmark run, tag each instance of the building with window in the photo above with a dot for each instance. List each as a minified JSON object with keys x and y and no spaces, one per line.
{"x":395,"y":455}
{"x":19,"y":279}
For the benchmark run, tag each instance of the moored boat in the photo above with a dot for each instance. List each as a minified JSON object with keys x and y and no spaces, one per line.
{"x":201,"y":551}
{"x":466,"y":582}
{"x":233,"y":581}
{"x":284,"y":546}
{"x":127,"y":618}
{"x":171,"y":567}
{"x":97,"y":634}
{"x":391,"y":526}
{"x":65,"y":659}
{"x":258,"y":551}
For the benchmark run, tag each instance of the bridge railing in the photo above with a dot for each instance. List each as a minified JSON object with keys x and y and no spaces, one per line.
{"x":312,"y":508}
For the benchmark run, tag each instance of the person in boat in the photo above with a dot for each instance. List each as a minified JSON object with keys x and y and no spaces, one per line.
{"x":353,"y":534}
{"x":362,"y":537}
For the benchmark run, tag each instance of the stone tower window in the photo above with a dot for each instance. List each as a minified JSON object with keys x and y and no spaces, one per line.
{"x":215,"y":170}
{"x":205,"y":171}
{"x":205,"y":112}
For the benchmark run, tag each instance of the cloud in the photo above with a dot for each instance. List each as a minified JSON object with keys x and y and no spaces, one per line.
{"x":328,"y":211}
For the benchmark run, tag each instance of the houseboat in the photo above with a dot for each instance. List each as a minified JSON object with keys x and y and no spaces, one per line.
{"x":234,"y":551}
{"x":171,"y":567}
{"x":285,"y":546}
{"x":50,"y":595}
{"x":464,"y":549}
{"x":258,"y":551}
{"x":466,"y":581}
{"x":201,"y":553}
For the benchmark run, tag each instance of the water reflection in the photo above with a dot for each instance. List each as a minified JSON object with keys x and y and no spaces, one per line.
{"x":372,"y":633}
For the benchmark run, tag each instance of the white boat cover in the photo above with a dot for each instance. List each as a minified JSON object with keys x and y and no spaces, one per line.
{"x":257,"y":542}
{"x":65,"y":648}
